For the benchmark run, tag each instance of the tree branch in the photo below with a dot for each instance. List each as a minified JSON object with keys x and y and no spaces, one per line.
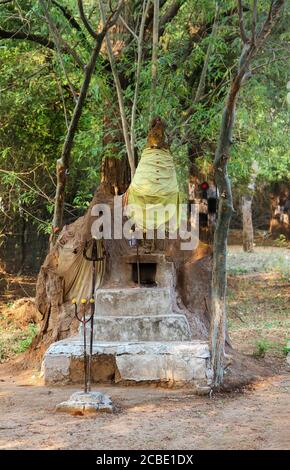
{"x":64,"y":161}
{"x":254,"y":21}
{"x":68,"y":15}
{"x":150,"y":13}
{"x":241,"y":22}
{"x":276,"y":6}
{"x":71,"y":20}
{"x":128,"y":28}
{"x":111,"y":20}
{"x":201,"y":84}
{"x":120,"y":96}
{"x":85,"y":21}
{"x":145,"y":9}
{"x":42,"y":40}
{"x":169,"y":15}
{"x":61,"y":42}
{"x":154,"y":59}
{"x":265,"y":64}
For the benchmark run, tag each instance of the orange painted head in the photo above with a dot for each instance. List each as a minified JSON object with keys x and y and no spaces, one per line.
{"x":156,"y":135}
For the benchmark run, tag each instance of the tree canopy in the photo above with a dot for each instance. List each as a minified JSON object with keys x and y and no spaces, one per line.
{"x":42,"y":60}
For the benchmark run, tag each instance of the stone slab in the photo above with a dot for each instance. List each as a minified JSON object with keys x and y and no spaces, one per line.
{"x":82,"y":403}
{"x":134,"y":301}
{"x":172,"y":363}
{"x":141,"y":328}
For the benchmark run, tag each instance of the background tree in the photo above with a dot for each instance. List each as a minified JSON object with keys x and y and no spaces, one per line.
{"x":251,"y":45}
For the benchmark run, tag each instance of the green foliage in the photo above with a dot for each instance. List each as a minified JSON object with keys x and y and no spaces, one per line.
{"x":262,"y":346}
{"x":37,"y":103}
{"x":25,"y":340}
{"x":15,"y":340}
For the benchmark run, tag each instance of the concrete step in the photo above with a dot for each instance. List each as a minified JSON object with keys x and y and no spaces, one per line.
{"x":173,"y":327}
{"x":134,"y":301}
{"x":172,"y":363}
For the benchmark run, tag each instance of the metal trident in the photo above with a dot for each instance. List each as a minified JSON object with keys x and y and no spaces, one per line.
{"x":84,"y":320}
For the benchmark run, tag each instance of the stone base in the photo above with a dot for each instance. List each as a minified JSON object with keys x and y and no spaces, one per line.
{"x":81,"y":403}
{"x":140,"y":328}
{"x":171,"y":363}
{"x":133,"y":301}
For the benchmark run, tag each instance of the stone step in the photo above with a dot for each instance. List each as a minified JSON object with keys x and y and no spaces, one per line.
{"x":134,"y":301}
{"x":173,"y":327}
{"x":170,"y":363}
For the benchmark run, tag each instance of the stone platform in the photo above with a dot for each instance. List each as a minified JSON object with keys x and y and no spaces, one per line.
{"x":171,"y":362}
{"x":141,"y":335}
{"x":141,"y":328}
{"x":132,"y":301}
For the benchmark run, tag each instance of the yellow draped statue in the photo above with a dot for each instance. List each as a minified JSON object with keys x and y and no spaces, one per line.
{"x":153,"y":195}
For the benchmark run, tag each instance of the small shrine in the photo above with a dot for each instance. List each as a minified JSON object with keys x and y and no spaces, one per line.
{"x":140,"y":321}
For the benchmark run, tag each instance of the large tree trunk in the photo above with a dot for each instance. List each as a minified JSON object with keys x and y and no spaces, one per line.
{"x":115,"y":172}
{"x":193,"y":271}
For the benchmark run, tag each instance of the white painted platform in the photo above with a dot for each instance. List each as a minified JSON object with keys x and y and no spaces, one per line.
{"x":172,"y":362}
{"x":141,"y":328}
{"x":134,"y":301}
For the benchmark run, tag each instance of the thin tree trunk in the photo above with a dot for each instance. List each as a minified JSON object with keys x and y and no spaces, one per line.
{"x":23,"y":241}
{"x":248,"y":231}
{"x":201,"y":84}
{"x":62,"y":166}
{"x":247,"y":199}
{"x":155,"y":39}
{"x":146,"y":5}
{"x":218,"y":320}
{"x":124,"y":121}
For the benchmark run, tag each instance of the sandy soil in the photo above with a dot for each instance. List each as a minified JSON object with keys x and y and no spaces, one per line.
{"x":146,"y":417}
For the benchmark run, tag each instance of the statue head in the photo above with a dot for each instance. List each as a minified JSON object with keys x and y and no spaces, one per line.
{"x":156,"y":134}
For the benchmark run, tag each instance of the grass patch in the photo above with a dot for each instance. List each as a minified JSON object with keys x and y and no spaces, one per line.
{"x":262,"y":346}
{"x":15,"y":341}
{"x":259,"y":314}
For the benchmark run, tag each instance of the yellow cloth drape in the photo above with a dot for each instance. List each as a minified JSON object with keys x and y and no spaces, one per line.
{"x":77,"y":271}
{"x":153,"y":195}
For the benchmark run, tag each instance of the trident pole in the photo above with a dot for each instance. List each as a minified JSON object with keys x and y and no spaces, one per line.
{"x":93,"y":258}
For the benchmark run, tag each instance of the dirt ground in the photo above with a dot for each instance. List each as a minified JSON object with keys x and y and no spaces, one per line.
{"x":147,"y":417}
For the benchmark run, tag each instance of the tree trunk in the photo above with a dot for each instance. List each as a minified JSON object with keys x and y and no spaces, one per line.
{"x":62,"y":166}
{"x":116,"y":172}
{"x":248,"y":231}
{"x":155,"y":39}
{"x":280,"y":210}
{"x":247,"y":199}
{"x":219,"y":284}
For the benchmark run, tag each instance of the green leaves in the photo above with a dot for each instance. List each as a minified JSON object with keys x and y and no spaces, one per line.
{"x":37,"y":102}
